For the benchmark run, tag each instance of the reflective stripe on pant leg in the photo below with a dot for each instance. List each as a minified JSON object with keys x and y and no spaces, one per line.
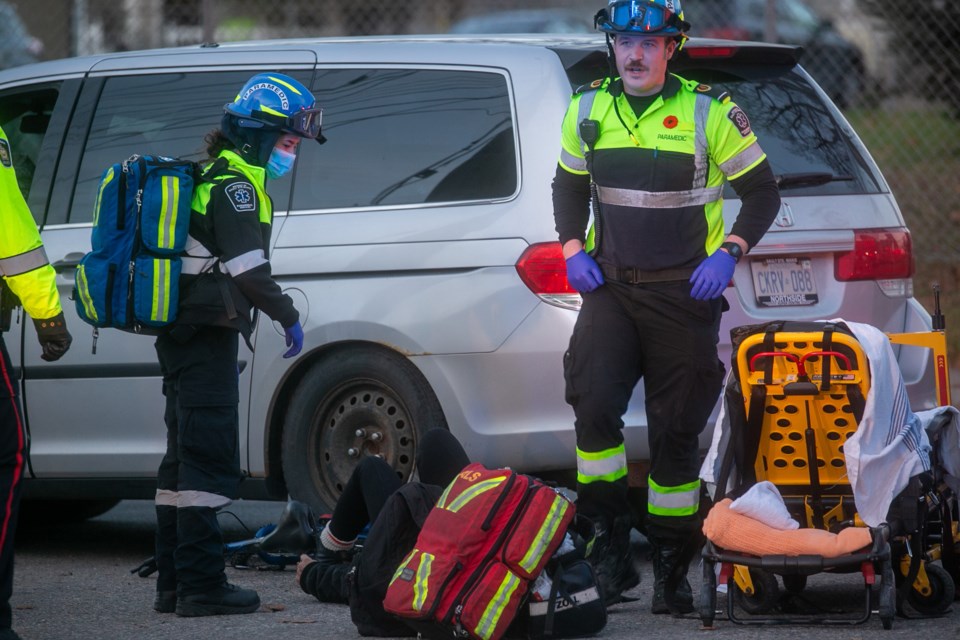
{"x":601,"y":466}
{"x":681,"y":500}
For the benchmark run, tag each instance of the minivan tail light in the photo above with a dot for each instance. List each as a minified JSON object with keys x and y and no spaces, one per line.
{"x":542,"y":268}
{"x":878,"y":254}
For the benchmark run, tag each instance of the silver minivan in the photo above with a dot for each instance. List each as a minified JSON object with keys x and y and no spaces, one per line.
{"x":418,"y":244}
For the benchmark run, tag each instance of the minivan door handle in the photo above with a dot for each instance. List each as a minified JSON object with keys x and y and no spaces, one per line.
{"x":69,"y":261}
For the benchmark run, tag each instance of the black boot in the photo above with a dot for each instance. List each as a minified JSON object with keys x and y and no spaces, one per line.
{"x":671,"y":589}
{"x":612,"y":558}
{"x":226,"y":599}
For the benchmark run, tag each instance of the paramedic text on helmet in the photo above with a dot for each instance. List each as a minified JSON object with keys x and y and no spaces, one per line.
{"x":652,"y":150}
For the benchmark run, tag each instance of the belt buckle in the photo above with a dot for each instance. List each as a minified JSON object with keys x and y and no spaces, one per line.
{"x":629,"y":275}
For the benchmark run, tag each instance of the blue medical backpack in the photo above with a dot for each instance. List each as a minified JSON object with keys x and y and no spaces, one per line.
{"x":130,"y":279}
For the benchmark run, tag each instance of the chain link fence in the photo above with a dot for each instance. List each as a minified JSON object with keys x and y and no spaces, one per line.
{"x":892,"y":67}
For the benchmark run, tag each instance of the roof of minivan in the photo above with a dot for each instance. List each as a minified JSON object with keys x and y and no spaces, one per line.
{"x":570,"y":43}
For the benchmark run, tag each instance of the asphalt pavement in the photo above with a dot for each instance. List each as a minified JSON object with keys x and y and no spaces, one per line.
{"x":73,"y":582}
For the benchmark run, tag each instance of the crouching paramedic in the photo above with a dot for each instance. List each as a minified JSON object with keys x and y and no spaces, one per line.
{"x":226,"y":274}
{"x":655,"y":149}
{"x":27,"y":274}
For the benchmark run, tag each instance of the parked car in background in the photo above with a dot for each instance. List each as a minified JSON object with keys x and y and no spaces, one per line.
{"x":835,"y":62}
{"x":525,"y":21}
{"x":418,"y":244}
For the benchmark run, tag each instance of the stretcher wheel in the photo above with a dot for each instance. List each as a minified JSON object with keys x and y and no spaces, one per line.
{"x":766,"y":592}
{"x":941,"y":594}
{"x":708,"y":595}
{"x":794,"y":583}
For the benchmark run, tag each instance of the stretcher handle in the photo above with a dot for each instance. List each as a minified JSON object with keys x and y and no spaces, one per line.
{"x":835,"y":354}
{"x":792,"y":357}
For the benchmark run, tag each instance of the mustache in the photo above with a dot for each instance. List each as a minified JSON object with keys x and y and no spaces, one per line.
{"x":635,"y":66}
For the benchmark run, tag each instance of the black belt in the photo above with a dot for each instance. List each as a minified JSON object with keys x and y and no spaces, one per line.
{"x":632,"y":275}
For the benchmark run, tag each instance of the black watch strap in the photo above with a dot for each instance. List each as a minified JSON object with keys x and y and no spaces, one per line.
{"x":733,"y":249}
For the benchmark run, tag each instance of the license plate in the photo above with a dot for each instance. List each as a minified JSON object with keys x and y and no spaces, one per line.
{"x":784,"y":282}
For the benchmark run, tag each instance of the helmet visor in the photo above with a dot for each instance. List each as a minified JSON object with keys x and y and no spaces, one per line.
{"x":305,"y":123}
{"x":638,"y":15}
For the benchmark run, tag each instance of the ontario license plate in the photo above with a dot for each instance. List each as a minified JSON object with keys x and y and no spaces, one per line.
{"x":784,"y":282}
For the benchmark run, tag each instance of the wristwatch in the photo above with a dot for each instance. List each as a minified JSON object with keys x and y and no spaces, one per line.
{"x":733,"y":249}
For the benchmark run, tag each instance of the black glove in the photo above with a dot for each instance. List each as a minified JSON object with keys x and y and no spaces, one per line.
{"x":53,"y":336}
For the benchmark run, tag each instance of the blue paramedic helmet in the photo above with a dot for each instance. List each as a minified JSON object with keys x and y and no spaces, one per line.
{"x":273,"y":101}
{"x":643,"y":17}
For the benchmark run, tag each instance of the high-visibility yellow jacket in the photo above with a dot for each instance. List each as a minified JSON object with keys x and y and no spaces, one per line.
{"x":23,"y":262}
{"x":660,"y":174}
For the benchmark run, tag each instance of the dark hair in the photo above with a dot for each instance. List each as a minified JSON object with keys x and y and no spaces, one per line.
{"x":216,"y":142}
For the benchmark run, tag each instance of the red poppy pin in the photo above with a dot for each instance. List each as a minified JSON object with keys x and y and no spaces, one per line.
{"x":670,"y":122}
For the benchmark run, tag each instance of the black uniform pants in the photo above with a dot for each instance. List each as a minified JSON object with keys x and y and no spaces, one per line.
{"x":200,"y":471}
{"x":440,"y":456}
{"x":659,"y":333}
{"x":12,"y":459}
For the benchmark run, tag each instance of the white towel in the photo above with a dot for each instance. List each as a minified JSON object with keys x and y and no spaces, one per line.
{"x":763,"y":502}
{"x":889,"y":446}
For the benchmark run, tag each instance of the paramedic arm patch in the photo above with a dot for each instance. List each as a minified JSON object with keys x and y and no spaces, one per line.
{"x":242,"y":196}
{"x":740,"y":121}
{"x":5,"y":153}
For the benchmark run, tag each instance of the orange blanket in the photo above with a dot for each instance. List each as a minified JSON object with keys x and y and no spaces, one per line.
{"x":736,"y":532}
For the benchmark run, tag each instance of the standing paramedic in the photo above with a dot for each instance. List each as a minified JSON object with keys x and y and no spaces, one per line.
{"x":655,"y":149}
{"x":226,"y":274}
{"x":26,"y":272}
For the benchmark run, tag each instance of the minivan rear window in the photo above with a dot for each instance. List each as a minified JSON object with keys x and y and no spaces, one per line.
{"x":408,"y":137}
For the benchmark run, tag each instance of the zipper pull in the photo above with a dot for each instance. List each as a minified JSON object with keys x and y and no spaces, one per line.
{"x":96,"y":334}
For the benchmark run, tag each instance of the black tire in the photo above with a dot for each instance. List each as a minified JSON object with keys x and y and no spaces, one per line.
{"x":942,"y":591}
{"x":794,"y":583}
{"x":766,"y":593}
{"x":370,"y":390}
{"x":52,"y":512}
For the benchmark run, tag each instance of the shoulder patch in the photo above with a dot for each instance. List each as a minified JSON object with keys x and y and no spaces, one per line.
{"x":242,"y":196}
{"x":740,"y":121}
{"x":717,"y":94}
{"x":5,"y":157}
{"x":590,"y":86}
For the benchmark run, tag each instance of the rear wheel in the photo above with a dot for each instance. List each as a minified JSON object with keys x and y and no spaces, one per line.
{"x":354,"y":404}
{"x":766,"y":592}
{"x":941,"y":593}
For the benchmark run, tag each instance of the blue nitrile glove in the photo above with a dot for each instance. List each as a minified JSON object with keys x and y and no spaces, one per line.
{"x":712,"y":275}
{"x":583,"y":272}
{"x":294,"y":336}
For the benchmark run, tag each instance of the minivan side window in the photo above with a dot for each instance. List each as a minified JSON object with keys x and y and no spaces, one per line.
{"x":408,"y":137}
{"x":25,"y":116}
{"x":161,"y":114}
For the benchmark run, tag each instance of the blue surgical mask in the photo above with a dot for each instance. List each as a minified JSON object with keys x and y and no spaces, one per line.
{"x":280,"y":163}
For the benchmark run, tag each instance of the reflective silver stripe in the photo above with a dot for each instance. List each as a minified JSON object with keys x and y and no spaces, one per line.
{"x":196,"y":258}
{"x":576,"y":599}
{"x":701,"y":112}
{"x":658,"y":199}
{"x":673,"y":500}
{"x":572,"y":162}
{"x":166,"y":498}
{"x":245,"y":262}
{"x":742,"y":160}
{"x":583,"y":112}
{"x":24,"y":262}
{"x":602,"y":466}
{"x":202,"y":499}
